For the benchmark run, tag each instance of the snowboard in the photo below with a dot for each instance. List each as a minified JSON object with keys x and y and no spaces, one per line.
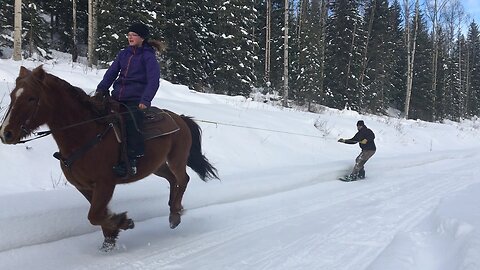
{"x":345,"y":179}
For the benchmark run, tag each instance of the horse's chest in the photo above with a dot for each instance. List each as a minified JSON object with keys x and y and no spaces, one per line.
{"x":79,"y":181}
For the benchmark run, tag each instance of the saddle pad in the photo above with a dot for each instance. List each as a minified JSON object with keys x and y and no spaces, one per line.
{"x":158,"y":123}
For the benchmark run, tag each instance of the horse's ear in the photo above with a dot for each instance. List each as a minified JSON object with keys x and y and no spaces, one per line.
{"x":23,"y":72}
{"x":39,"y":73}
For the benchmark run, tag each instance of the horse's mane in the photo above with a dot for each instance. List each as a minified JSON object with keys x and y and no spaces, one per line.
{"x":79,"y":94}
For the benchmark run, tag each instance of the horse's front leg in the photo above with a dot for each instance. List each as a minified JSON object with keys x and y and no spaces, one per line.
{"x":99,"y":214}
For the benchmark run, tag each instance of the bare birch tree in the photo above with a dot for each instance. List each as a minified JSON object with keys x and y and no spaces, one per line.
{"x":285,"y":57}
{"x":74,"y":31}
{"x":411,"y":45}
{"x":323,"y":26}
{"x":17,"y":35}
{"x":268,"y":40}
{"x":363,"y":69}
{"x":434,"y":12}
{"x":92,"y":32}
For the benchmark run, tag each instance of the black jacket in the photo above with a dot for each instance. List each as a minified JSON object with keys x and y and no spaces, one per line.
{"x":364,"y":133}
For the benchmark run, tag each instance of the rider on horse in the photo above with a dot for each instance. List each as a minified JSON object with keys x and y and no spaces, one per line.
{"x":135,"y":75}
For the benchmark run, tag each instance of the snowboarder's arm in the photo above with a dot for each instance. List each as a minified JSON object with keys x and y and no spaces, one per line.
{"x":347,"y":141}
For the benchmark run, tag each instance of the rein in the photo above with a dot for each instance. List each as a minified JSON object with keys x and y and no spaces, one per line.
{"x":44,"y":133}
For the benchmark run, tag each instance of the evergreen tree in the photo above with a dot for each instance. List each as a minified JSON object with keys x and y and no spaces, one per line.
{"x":259,"y":35}
{"x":6,"y":24}
{"x":343,"y":55}
{"x":187,"y":29}
{"x":397,"y":62}
{"x":34,"y":30}
{"x":114,"y":18}
{"x":453,"y":94}
{"x":442,"y":71}
{"x":307,"y":80}
{"x":376,"y":83}
{"x":234,"y":72}
{"x":60,"y":27}
{"x":473,"y":71}
{"x":278,"y":22}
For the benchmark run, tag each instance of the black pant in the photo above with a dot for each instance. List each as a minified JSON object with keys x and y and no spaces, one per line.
{"x":133,"y":125}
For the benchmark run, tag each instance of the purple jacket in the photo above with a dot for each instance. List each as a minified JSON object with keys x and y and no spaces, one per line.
{"x":135,"y":74}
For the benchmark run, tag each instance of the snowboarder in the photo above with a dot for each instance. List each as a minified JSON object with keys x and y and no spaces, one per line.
{"x":366,"y":139}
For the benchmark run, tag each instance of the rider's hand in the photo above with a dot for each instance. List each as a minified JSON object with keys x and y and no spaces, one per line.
{"x":341,"y":140}
{"x":142,"y":106}
{"x":364,"y":141}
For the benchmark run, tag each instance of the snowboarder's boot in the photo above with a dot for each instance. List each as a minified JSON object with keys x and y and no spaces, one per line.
{"x":361,"y":174}
{"x":349,"y":178}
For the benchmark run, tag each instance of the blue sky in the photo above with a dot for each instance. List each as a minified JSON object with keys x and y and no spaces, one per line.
{"x":472,"y":7}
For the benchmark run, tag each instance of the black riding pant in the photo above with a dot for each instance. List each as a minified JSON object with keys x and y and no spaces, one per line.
{"x":133,"y":125}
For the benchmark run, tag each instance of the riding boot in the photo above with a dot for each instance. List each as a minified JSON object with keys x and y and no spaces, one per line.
{"x":121,"y":169}
{"x":133,"y":166}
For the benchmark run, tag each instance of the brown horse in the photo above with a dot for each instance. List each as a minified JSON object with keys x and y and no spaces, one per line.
{"x":84,"y":136}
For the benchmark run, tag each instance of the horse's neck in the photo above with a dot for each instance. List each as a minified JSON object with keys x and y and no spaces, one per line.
{"x":71,"y":122}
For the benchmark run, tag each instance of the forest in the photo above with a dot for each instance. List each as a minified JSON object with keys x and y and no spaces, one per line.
{"x":419,"y":59}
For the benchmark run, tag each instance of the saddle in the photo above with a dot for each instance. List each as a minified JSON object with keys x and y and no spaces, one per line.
{"x":157,"y":122}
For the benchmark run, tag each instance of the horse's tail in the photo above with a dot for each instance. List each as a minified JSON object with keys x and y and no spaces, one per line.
{"x":196,"y":160}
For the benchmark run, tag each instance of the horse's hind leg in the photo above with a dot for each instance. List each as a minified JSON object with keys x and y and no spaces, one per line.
{"x":178,"y":184}
{"x":164,"y":171}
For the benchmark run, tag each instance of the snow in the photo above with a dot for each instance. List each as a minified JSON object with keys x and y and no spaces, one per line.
{"x":278,"y":204}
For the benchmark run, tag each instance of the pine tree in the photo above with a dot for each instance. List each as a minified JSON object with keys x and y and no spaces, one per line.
{"x":343,"y":55}
{"x":442,"y":72}
{"x":235,"y":61}
{"x":396,"y":64}
{"x":35,"y":30}
{"x":308,"y":81}
{"x":278,"y":20}
{"x":114,"y":18}
{"x":60,"y":27}
{"x":6,"y":24}
{"x":376,"y":83}
{"x":473,"y":72}
{"x":186,"y":29}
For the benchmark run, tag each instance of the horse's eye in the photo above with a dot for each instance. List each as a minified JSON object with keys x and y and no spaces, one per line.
{"x":32,"y":99}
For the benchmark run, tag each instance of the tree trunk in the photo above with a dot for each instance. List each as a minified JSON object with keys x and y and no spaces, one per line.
{"x":435,"y":15}
{"x":74,"y":31}
{"x":302,"y":13}
{"x":323,"y":26}
{"x":352,"y":52}
{"x":410,"y":51}
{"x":268,"y":40}
{"x":17,"y":36}
{"x":285,"y":58}
{"x":92,"y":32}
{"x":365,"y":51}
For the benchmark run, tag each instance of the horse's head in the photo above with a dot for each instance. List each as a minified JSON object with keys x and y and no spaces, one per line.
{"x":26,"y":111}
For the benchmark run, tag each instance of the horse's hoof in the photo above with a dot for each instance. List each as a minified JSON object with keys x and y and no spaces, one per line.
{"x":128,"y":224}
{"x":123,"y":222}
{"x":174,"y":220}
{"x":108,"y":244}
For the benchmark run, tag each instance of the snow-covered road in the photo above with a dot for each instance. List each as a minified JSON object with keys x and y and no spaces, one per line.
{"x":318,"y":223}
